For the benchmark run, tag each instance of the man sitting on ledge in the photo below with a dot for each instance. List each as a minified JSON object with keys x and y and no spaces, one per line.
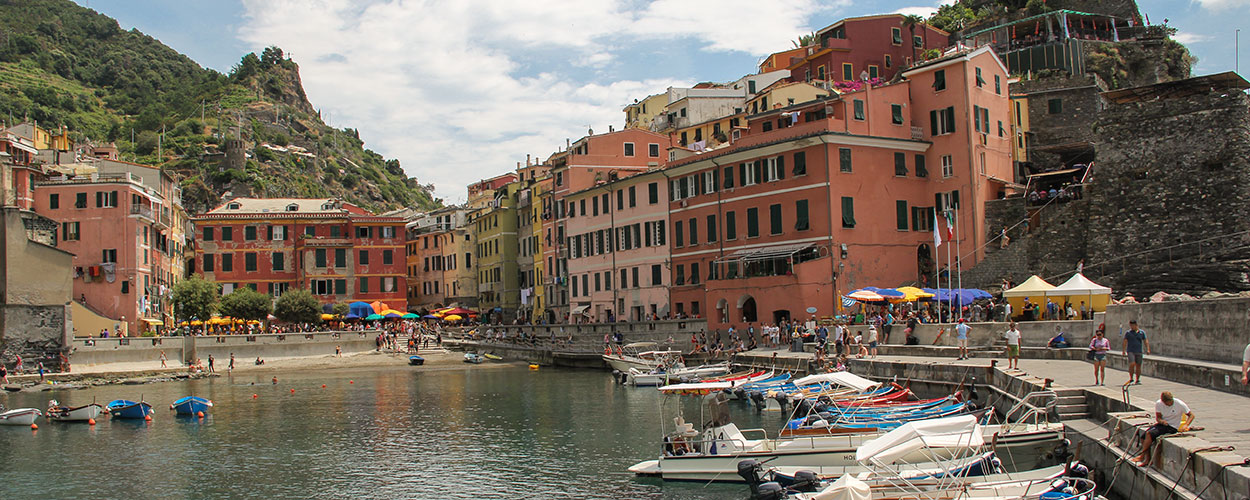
{"x":1171,"y":416}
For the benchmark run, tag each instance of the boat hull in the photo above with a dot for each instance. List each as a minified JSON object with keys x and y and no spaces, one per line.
{"x":130,"y":410}
{"x":20,"y":416}
{"x":624,"y":363}
{"x":79,"y":414}
{"x":191,"y":406}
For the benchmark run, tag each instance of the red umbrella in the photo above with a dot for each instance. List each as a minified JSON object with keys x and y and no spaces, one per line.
{"x":458,"y":311}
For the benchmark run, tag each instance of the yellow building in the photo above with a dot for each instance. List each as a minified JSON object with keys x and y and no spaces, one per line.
{"x":711,"y":133}
{"x":43,"y":138}
{"x":541,"y":212}
{"x":1019,"y":128}
{"x":783,"y":94}
{"x":640,"y":114}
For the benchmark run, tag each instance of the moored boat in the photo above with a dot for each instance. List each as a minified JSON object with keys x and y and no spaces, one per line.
{"x":191,"y":405}
{"x":58,"y":413}
{"x":493,"y":357}
{"x":19,"y":416}
{"x":124,"y":408}
{"x":472,"y":357}
{"x":415,"y":360}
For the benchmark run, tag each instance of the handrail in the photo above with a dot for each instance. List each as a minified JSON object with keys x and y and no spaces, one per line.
{"x":1033,"y":411}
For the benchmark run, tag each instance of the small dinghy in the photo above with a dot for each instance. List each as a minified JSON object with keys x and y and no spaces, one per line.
{"x":415,"y":360}
{"x":472,"y":357}
{"x":191,"y":405}
{"x":19,"y":416}
{"x":58,"y":413}
{"x":493,"y":357}
{"x":123,"y":408}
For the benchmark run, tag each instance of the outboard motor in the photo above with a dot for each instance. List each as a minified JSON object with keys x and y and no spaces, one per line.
{"x":751,"y":471}
{"x":972,"y":390}
{"x":782,"y":401}
{"x":618,"y":376}
{"x":805,"y":481}
{"x":758,"y":398}
{"x":769,"y":491}
{"x":803,"y":407}
{"x":740,"y":393}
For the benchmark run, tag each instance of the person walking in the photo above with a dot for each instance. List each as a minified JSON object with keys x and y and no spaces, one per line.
{"x":1135,"y":347}
{"x":872,"y":341}
{"x":163,"y":360}
{"x":1013,"y":346}
{"x":961,"y":337}
{"x":4,"y":374}
{"x":1171,"y":416}
{"x":231,"y":367}
{"x":41,"y":372}
{"x":211,"y":362}
{"x":1099,"y":345}
{"x":1245,"y":366}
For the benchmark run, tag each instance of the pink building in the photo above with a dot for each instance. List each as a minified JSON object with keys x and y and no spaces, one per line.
{"x":618,"y":250}
{"x":123,"y":253}
{"x":822,"y":197}
{"x":878,"y":46}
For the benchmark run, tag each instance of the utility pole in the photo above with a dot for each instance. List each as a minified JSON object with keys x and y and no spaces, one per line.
{"x":1237,"y":51}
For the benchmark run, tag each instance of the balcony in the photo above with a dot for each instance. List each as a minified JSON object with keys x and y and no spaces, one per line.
{"x":144,"y":212}
{"x":486,"y":287}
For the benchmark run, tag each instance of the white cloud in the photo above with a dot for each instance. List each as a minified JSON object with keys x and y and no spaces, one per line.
{"x":1222,"y":4}
{"x":1187,"y":38}
{"x":924,"y":12}
{"x":446,"y":87}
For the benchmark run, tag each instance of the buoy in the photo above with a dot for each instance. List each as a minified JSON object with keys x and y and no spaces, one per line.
{"x":292,"y":391}
{"x":533,"y":367}
{"x":147,"y":418}
{"x":351,"y":381}
{"x":254,"y":396}
{"x":34,"y":427}
{"x":91,"y":421}
{"x":199,"y":414}
{"x":323,"y":386}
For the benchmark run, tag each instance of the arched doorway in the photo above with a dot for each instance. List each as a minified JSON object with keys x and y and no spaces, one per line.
{"x":924,"y":264}
{"x":746,"y":305}
{"x":722,"y":309}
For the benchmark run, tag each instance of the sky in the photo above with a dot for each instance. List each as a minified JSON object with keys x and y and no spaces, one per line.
{"x":462,"y":90}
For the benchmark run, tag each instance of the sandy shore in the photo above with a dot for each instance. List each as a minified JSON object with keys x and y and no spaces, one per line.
{"x":146,"y":372}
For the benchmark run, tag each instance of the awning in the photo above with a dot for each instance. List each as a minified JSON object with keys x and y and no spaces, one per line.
{"x":152,"y":321}
{"x":580,"y":309}
{"x":769,"y":252}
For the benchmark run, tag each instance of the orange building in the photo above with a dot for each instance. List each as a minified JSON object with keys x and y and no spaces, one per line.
{"x":878,"y":46}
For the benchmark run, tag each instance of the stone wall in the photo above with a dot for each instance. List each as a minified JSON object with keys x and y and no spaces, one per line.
{"x":1070,"y":131}
{"x":589,"y":337}
{"x":37,"y":333}
{"x":1206,"y":330}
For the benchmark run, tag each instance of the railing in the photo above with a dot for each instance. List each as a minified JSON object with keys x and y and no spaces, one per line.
{"x":142,"y":211}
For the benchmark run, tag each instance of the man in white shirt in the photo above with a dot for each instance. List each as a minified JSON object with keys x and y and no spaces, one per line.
{"x":1013,"y":346}
{"x":961,"y":335}
{"x":1171,"y":416}
{"x":1245,"y":365}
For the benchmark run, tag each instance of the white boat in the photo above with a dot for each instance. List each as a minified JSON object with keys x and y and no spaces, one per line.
{"x":20,"y":416}
{"x":714,"y":453}
{"x":640,"y":355}
{"x":661,"y":376}
{"x":58,"y":413}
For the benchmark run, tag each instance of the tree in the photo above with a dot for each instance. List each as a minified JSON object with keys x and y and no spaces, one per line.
{"x":245,"y":303}
{"x":910,"y":21}
{"x":195,"y":297}
{"x":298,"y":306}
{"x":341,"y":309}
{"x":804,"y":40}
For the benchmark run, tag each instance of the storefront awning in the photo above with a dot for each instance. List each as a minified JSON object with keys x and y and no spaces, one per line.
{"x":580,"y":309}
{"x":152,"y":321}
{"x":769,"y":252}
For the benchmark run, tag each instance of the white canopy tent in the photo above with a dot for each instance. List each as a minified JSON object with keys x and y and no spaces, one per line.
{"x":1079,"y":287}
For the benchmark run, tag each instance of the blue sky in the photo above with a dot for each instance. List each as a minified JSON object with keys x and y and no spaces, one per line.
{"x":459,"y":91}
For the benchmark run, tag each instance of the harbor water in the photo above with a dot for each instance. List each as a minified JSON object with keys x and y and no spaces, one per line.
{"x":432,"y":432}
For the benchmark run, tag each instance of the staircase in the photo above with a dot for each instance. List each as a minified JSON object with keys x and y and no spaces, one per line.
{"x":1071,"y":404}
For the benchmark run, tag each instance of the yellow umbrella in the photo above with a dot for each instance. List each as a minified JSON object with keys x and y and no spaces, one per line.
{"x":196,"y":322}
{"x":912,"y":294}
{"x":218,"y":320}
{"x":328,"y":317}
{"x":453,"y":317}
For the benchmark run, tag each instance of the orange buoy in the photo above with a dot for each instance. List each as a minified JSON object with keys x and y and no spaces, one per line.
{"x":147,"y":418}
{"x":34,"y":427}
{"x":199,"y":414}
{"x":323,"y":386}
{"x":351,"y":381}
{"x":91,"y":421}
{"x":254,"y":396}
{"x":292,"y":391}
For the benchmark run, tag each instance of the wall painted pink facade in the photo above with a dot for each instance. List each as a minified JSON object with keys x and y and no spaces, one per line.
{"x":618,"y":264}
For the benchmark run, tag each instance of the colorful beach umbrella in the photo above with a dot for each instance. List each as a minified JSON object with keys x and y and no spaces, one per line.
{"x":410,"y":316}
{"x":373,"y":317}
{"x":452,"y":317}
{"x":866,"y":296}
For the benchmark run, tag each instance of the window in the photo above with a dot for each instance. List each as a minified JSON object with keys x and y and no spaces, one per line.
{"x":900,"y":164}
{"x":598,"y":282}
{"x":921,"y":169}
{"x":844,"y":159}
{"x":249,"y":233}
{"x":998,"y":85}
{"x":800,"y":216}
{"x":980,"y":81}
{"x":310,"y":231}
{"x":364,"y":284}
{"x":653,"y":193}
{"x":278,"y":259}
{"x":711,"y":228}
{"x":594,"y":205}
{"x":1054,"y":106}
{"x":208,"y":234}
{"x":277,"y":233}
{"x":249,"y":261}
{"x":319,"y":257}
{"x":559,"y":178}
{"x":694,"y":275}
{"x":340,"y":257}
{"x":939,"y":80}
{"x":942,"y":121}
{"x":680,"y":278}
{"x":208,"y":263}
{"x":634,"y":273}
{"x":69,"y":231}
{"x":774,"y":219}
{"x":848,"y":72}
{"x":948,"y":166}
{"x":54,"y":201}
{"x":657,"y":277}
{"x":917,"y":41}
{"x":848,"y":212}
{"x":105,"y":199}
{"x":985,"y":120}
{"x":859,"y":109}
{"x":709,"y":182}
{"x":227,"y":233}
{"x":729,"y":177}
{"x":80,"y":200}
{"x":694,"y":231}
{"x":1000,"y":128}
{"x":633,"y":196}
{"x":800,"y":163}
{"x":982,"y":163}
{"x":731,"y":225}
{"x":629,"y":149}
{"x":900,"y":210}
{"x":896,"y":114}
{"x":364,"y":258}
{"x":653,"y":150}
{"x":873,"y":71}
{"x":364,"y":232}
{"x":976,"y":118}
{"x":227,"y":262}
{"x":678,"y":238}
{"x":607,"y":280}
{"x":620,"y":199}
{"x":888,"y":61}
{"x":896,"y":36}
{"x":388,"y":257}
{"x":389,"y":231}
{"x":753,"y":222}
{"x":775,"y":168}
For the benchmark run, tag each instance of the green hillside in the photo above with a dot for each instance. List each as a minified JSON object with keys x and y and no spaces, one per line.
{"x":62,"y":64}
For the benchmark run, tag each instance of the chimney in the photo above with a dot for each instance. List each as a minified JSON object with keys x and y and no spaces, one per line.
{"x":527,"y":160}
{"x":610,"y":129}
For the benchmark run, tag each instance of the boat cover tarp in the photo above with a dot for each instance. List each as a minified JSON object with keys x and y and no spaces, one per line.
{"x":845,"y":379}
{"x":846,"y":487}
{"x":697,"y":386}
{"x":950,"y":432}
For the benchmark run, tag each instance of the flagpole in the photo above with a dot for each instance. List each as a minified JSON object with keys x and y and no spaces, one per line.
{"x":948,"y":274}
{"x":959,"y":258}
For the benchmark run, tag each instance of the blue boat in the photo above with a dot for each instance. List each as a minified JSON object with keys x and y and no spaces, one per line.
{"x":416,"y":360}
{"x":191,"y":405}
{"x":122,"y":408}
